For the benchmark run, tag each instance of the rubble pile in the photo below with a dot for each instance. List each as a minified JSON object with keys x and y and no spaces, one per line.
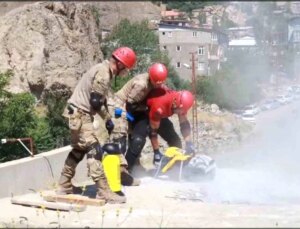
{"x":218,"y":131}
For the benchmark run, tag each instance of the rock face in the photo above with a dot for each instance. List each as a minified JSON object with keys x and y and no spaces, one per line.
{"x":48,"y":44}
{"x":111,"y":12}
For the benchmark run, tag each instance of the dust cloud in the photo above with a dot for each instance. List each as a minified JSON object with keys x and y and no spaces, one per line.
{"x":264,"y":169}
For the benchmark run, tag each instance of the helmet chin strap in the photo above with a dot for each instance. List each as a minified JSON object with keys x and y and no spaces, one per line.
{"x":120,"y":69}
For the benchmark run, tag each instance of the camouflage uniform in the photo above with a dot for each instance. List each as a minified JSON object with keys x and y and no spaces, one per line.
{"x":133,"y":92}
{"x":84,"y":132}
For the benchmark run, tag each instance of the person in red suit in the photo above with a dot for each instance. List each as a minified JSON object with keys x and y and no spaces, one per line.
{"x":163,"y":103}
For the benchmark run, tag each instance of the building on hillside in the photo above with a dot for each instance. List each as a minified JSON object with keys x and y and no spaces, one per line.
{"x":172,"y":14}
{"x":242,"y":43}
{"x":174,"y":17}
{"x":179,"y":42}
{"x":213,"y":14}
{"x":294,"y":31}
{"x":178,"y":22}
{"x":207,"y":16}
{"x":239,"y":32}
{"x":241,"y":38}
{"x":295,"y":7}
{"x":294,"y":44}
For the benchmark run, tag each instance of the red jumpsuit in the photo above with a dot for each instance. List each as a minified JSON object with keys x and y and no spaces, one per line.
{"x":159,"y":102}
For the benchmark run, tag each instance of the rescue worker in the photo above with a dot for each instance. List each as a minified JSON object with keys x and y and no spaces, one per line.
{"x":163,"y":104}
{"x":87,"y":100}
{"x":131,"y":98}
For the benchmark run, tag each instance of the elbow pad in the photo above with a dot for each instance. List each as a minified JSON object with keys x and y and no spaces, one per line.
{"x":97,"y":100}
{"x":185,"y":128}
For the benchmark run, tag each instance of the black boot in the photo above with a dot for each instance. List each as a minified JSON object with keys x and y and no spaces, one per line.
{"x":127,"y":179}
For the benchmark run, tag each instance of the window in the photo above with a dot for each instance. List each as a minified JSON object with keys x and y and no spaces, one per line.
{"x":164,"y":47}
{"x":169,"y":34}
{"x":201,"y":66}
{"x":163,"y":33}
{"x":214,"y":37}
{"x":297,"y":36}
{"x":178,"y":47}
{"x":194,"y":34}
{"x":201,"y":50}
{"x":178,"y":65}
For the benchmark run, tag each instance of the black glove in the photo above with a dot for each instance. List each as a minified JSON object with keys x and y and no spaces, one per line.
{"x":157,"y":156}
{"x":190,"y":148}
{"x":109,"y":126}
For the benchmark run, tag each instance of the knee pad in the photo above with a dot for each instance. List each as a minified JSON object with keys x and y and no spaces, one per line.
{"x":74,"y":157}
{"x":137,"y":144}
{"x":122,"y":141}
{"x":112,"y":148}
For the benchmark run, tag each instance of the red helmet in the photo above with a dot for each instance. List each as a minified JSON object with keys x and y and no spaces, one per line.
{"x":185,"y":100}
{"x":126,"y":56}
{"x":158,"y":72}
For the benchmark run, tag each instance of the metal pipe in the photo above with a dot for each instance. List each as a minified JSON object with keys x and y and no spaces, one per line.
{"x":12,"y":140}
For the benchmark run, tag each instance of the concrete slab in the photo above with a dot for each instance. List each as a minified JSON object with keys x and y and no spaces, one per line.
{"x":148,"y":206}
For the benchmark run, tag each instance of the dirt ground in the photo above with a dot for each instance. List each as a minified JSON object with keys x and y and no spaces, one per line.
{"x":152,"y":205}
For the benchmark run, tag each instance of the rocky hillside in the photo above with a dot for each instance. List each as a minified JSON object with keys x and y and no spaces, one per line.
{"x":48,"y":45}
{"x":112,"y":12}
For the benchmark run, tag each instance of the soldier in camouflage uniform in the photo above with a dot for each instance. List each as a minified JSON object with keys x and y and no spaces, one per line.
{"x":131,"y":97}
{"x":87,"y":100}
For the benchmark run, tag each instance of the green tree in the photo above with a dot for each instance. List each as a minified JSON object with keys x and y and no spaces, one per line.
{"x":56,"y":100}
{"x":41,"y":134}
{"x":4,"y":94}
{"x":19,"y":119}
{"x":16,"y":119}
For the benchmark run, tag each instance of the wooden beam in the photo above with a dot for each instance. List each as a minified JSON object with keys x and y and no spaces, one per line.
{"x":74,"y":199}
{"x":48,"y":205}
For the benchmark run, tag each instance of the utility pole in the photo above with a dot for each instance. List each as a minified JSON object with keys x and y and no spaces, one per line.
{"x":194,"y":109}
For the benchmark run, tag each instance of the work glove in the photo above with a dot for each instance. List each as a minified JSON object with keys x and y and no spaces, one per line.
{"x":157,"y":157}
{"x":109,"y":126}
{"x":189,"y":147}
{"x":129,"y":117}
{"x":118,"y":114}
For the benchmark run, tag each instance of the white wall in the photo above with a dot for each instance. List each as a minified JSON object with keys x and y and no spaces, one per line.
{"x":40,"y":172}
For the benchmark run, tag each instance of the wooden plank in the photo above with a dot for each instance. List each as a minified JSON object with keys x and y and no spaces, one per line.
{"x":75,"y":199}
{"x":48,"y":205}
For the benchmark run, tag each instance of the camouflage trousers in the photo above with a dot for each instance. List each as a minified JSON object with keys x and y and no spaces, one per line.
{"x":85,"y":133}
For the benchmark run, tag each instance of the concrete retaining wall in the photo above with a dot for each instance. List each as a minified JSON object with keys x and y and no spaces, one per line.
{"x":36,"y":173}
